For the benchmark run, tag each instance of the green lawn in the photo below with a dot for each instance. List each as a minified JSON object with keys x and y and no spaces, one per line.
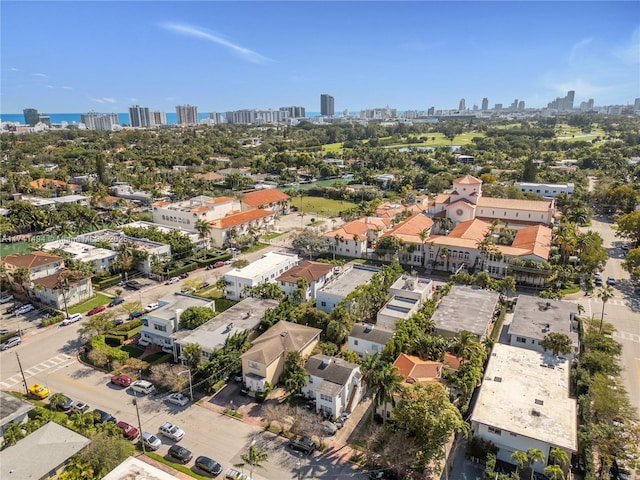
{"x":15,"y":247}
{"x":272,"y":235}
{"x":322,"y":206}
{"x":99,"y":299}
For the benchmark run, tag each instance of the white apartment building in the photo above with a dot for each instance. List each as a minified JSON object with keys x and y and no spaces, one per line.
{"x":407,"y":295}
{"x":366,"y":338}
{"x":100,"y":258}
{"x":328,"y":297}
{"x":546,"y":190}
{"x":185,"y":214}
{"x":266,"y":269}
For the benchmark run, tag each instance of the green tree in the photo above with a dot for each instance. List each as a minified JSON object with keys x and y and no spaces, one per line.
{"x":12,"y":434}
{"x":556,"y":343}
{"x":193,"y":317}
{"x":530,"y":172}
{"x":192,"y":353}
{"x":254,"y":458}
{"x":534,"y":455}
{"x":385,"y":383}
{"x":554,"y":472}
{"x":605,"y":294}
{"x":629,"y":226}
{"x":520,"y":459}
{"x":96,"y":325}
{"x":105,"y":452}
{"x":558,"y":456}
{"x":294,"y":376}
{"x":310,"y":241}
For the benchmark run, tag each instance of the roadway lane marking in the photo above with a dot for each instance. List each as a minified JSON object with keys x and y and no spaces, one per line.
{"x":73,"y":382}
{"x":632,"y":337}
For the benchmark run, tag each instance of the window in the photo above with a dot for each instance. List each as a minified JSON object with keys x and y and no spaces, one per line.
{"x":521,"y":340}
{"x":160,"y":328}
{"x":254,"y":365}
{"x":355,"y":342}
{"x":494,"y":430}
{"x":323,"y":303}
{"x":325,"y":398}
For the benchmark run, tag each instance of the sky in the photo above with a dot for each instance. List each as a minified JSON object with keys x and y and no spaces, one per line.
{"x":75,"y":56}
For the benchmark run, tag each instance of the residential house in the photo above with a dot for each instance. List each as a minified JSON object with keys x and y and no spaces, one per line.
{"x":267,"y":199}
{"x":159,"y":325}
{"x":244,"y":315}
{"x":42,"y":454}
{"x":330,"y":296}
{"x":393,"y":210}
{"x":55,"y":186}
{"x":264,"y":361}
{"x":334,"y":384}
{"x":187,"y":213}
{"x":210,"y":177}
{"x":470,"y":309}
{"x":314,"y":274}
{"x":534,"y":318}
{"x":126,"y":191}
{"x":357,"y":238}
{"x":524,"y":404}
{"x":546,"y":190}
{"x":193,"y":235}
{"x":100,"y":258}
{"x":13,"y":410}
{"x":272,"y":264}
{"x":406,"y":297}
{"x":135,"y":469}
{"x":366,"y":338}
{"x":251,"y":222}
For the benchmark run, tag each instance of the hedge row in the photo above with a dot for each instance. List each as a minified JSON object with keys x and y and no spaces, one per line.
{"x":52,"y":320}
{"x":203,"y":262}
{"x":101,"y":283}
{"x":177,"y":271}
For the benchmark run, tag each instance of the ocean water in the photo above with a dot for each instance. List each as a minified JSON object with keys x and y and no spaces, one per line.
{"x":123,"y":118}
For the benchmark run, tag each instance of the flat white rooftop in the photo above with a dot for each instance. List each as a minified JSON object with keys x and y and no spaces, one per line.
{"x":347,"y":281}
{"x":527,"y":393}
{"x":134,"y":469}
{"x":264,"y":265}
{"x":80,"y":251}
{"x":398,"y":307}
{"x":466,"y":308}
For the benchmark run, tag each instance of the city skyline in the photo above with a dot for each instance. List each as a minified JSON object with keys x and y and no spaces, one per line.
{"x":220,"y":56}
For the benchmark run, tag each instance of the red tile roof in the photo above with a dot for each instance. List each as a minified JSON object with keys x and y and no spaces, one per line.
{"x":360,"y":227}
{"x":219,"y":200}
{"x":31,"y":260}
{"x":211,"y":176}
{"x":53,"y":281}
{"x":310,"y":271}
{"x":536,"y":239}
{"x":470,"y":230}
{"x":239,"y":218}
{"x":264,"y":197}
{"x":409,"y":230}
{"x":468,"y":180}
{"x":413,"y":369}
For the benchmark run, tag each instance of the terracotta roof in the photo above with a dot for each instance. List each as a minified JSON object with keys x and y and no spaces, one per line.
{"x":413,"y":369}
{"x":514,"y":204}
{"x":211,"y":176}
{"x":264,"y":197}
{"x":239,"y":218}
{"x":280,"y":338}
{"x":452,"y":361}
{"x":468,"y":180}
{"x":41,"y":183}
{"x":537,"y":239}
{"x":51,"y":281}
{"x":453,"y":242}
{"x":409,"y":230}
{"x":442,"y":198}
{"x":160,"y":203}
{"x":310,"y":271}
{"x":109,"y":198}
{"x":31,"y":260}
{"x":390,"y":210}
{"x":470,"y":230}
{"x":359,"y":227}
{"x":219,"y":200}
{"x":199,"y":209}
{"x":462,"y":201}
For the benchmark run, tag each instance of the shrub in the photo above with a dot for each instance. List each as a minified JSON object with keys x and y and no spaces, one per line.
{"x":100,"y":283}
{"x":216,"y":387}
{"x":52,"y":320}
{"x":114,"y":340}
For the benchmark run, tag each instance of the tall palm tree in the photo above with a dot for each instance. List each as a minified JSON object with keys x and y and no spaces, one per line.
{"x":202,"y":227}
{"x":534,"y":456}
{"x":520,"y":459}
{"x":557,"y":456}
{"x":554,"y":472}
{"x":385,"y":383}
{"x":21,"y":277}
{"x":255,"y":457}
{"x":605,"y":294}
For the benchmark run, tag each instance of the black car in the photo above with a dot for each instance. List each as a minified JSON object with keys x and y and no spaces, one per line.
{"x":61,"y":403}
{"x":133,"y":285}
{"x":184,"y":275}
{"x":115,"y":301}
{"x":209,"y":465}
{"x":180,"y":453}
{"x":100,"y":416}
{"x":302,"y":444}
{"x":13,"y":308}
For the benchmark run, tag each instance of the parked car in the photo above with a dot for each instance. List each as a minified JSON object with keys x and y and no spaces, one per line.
{"x":178,"y":399}
{"x":121,"y":380}
{"x":76,"y":317}
{"x":115,"y":301}
{"x":96,"y":310}
{"x":12,"y":342}
{"x":205,"y":285}
{"x":129,"y":431}
{"x":6,"y":299}
{"x":13,"y":308}
{"x":598,"y":282}
{"x":61,"y":402}
{"x":4,"y":331}
{"x":80,"y":407}
{"x":133,"y":315}
{"x":133,"y":285}
{"x":38,"y":391}
{"x":118,"y":321}
{"x":151,"y":307}
{"x":151,"y":441}
{"x":302,"y":444}
{"x":218,"y":264}
{"x":180,"y":453}
{"x":172,"y":280}
{"x":184,"y":275}
{"x":171,"y":431}
{"x":24,"y":309}
{"x":328,"y":427}
{"x":611,"y":281}
{"x":100,"y":416}
{"x":233,"y":474}
{"x":208,"y":465}
{"x":143,"y":386}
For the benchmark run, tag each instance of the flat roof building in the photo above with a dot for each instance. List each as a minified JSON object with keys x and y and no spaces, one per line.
{"x":466,"y":308}
{"x":336,"y":290}
{"x":133,"y":468}
{"x":266,"y":269}
{"x":100,"y":258}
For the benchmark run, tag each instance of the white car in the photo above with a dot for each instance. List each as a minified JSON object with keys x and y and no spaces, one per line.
{"x":173,"y":280}
{"x":151,"y":307}
{"x":12,"y":342}
{"x":6,"y":299}
{"x":76,"y":317}
{"x":151,"y":441}
{"x":171,"y":431}
{"x":233,"y":474}
{"x":24,"y":309}
{"x":178,"y":399}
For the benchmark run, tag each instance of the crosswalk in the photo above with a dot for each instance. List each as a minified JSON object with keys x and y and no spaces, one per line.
{"x":632,"y":337}
{"x":593,"y":306}
{"x":54,"y":363}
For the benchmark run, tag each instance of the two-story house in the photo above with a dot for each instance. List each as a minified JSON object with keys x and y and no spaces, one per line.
{"x":272,"y":264}
{"x":366,"y":338}
{"x":314,"y":274}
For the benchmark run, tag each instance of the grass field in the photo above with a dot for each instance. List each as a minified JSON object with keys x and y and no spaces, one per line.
{"x":84,"y":307}
{"x":322,"y":206}
{"x":11,"y":248}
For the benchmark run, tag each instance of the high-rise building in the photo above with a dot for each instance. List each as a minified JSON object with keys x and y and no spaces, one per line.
{"x":139,"y":117}
{"x":326,"y":105}
{"x":563,"y":103}
{"x":514,"y":106}
{"x":294,"y":112}
{"x":99,"y":121}
{"x":187,"y":114}
{"x":255,"y":116}
{"x":521,"y":105}
{"x":636,"y":104}
{"x":215,"y":118}
{"x":158,"y":118}
{"x":462,"y":106}
{"x":32,"y":117}
{"x":485,"y":104}
{"x":571,"y":94}
{"x":431,"y":111}
{"x":497,"y":107}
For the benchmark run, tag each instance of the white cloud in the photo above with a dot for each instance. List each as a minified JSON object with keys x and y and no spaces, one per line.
{"x":629,"y":54}
{"x":67,"y":88}
{"x":575,"y":50}
{"x":196,"y":32}
{"x":13,"y":69}
{"x":103,"y":100}
{"x":40,"y":75}
{"x":50,"y":86}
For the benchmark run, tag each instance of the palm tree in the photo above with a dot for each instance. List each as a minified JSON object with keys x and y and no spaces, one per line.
{"x":202,"y":227}
{"x":467,"y":346}
{"x":255,"y":457}
{"x":21,"y":277}
{"x":520,"y":459}
{"x":557,"y":456}
{"x":554,"y":472}
{"x":605,"y":294}
{"x":386,"y":383}
{"x":534,"y":455}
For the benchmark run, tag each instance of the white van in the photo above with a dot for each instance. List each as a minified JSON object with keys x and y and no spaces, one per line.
{"x":76,"y":317}
{"x":142,"y":386}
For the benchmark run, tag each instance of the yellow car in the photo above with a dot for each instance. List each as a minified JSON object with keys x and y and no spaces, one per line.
{"x":39,"y":391}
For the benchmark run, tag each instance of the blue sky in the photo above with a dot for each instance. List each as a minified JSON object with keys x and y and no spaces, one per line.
{"x":75,"y":56}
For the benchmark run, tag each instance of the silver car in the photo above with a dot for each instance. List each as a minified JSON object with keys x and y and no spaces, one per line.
{"x":12,"y":342}
{"x":151,"y":441}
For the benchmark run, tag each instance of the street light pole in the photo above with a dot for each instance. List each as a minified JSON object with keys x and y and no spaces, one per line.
{"x":298,"y":465}
{"x":135,"y":402}
{"x":188,"y":370}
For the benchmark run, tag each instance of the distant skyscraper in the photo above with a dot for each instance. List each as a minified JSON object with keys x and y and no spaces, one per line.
{"x":485,"y":104}
{"x":431,"y":111}
{"x":521,"y":105}
{"x":99,"y":121}
{"x":563,"y":103}
{"x":497,"y":107}
{"x":326,"y":105}
{"x":32,"y":117}
{"x":462,"y":107}
{"x":158,"y":118}
{"x":139,"y":117}
{"x":514,"y":106}
{"x":571,"y":94}
{"x":215,"y":118}
{"x":636,"y":104}
{"x":187,"y":114}
{"x":294,"y":112}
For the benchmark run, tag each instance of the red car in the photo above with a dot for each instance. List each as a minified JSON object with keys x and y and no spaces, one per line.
{"x":121,"y":380}
{"x":218,"y":264}
{"x":95,"y":310}
{"x":129,"y":431}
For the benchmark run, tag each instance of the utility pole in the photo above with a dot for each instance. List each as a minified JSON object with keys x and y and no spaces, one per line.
{"x":135,"y":402}
{"x":24,"y":380}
